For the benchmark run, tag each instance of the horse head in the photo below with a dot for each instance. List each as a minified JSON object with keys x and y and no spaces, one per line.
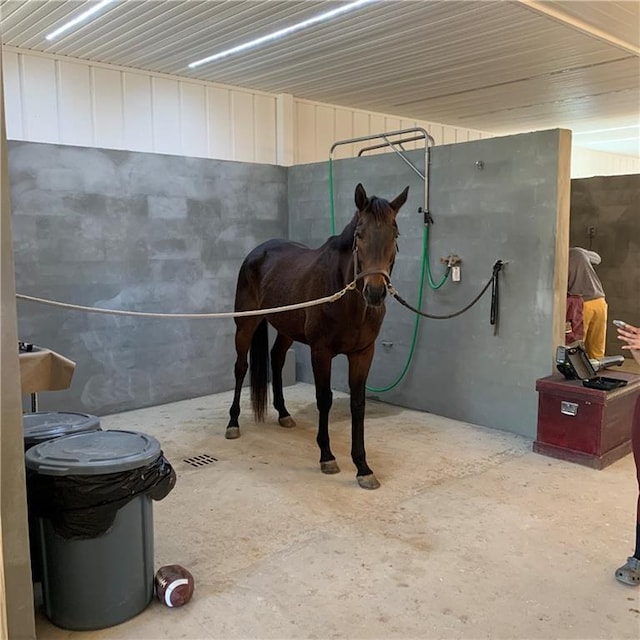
{"x":375,"y":243}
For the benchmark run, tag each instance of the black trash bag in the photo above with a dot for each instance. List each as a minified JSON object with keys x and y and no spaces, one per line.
{"x":86,"y":506}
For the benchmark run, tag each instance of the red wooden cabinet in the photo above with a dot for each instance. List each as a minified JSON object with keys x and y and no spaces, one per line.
{"x":583,"y":425}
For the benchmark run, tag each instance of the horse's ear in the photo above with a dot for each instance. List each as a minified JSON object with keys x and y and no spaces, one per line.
{"x":400,"y":200}
{"x":361,"y":198}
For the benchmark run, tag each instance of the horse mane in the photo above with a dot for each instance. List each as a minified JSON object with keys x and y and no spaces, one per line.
{"x":378,"y":209}
{"x":344,"y":241}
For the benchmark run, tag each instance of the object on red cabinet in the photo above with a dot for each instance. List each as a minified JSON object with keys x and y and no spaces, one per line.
{"x":174,"y":585}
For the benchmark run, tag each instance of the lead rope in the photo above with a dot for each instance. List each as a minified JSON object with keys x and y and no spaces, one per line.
{"x":197,"y":316}
{"x":495,"y":296}
{"x":227,"y":314}
{"x":497,"y":267}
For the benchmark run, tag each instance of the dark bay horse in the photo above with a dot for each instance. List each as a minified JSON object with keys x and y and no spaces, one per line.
{"x":278,"y":273}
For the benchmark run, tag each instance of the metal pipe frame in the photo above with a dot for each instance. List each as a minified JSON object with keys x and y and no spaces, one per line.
{"x":424,"y":135}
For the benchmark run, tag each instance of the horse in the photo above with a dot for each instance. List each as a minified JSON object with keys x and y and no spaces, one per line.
{"x":281,"y":272}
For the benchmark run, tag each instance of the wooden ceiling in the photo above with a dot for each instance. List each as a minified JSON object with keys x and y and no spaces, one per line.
{"x":497,"y":66}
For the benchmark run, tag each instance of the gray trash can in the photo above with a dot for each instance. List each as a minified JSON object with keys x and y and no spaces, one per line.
{"x":39,"y":427}
{"x":96,"y":581}
{"x":46,"y":425}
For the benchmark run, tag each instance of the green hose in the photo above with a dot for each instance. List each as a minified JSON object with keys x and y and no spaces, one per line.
{"x":414,"y":337}
{"x":427,"y":262}
{"x":332,"y":206}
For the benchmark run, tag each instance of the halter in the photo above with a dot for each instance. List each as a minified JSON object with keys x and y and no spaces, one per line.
{"x":362,"y":274}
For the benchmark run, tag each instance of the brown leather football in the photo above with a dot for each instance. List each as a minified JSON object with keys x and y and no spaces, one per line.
{"x":174,"y":585}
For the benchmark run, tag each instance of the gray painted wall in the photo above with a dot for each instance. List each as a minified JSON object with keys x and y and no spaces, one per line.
{"x":161,"y":233}
{"x":610,"y":204}
{"x":141,"y":232}
{"x":508,"y":210}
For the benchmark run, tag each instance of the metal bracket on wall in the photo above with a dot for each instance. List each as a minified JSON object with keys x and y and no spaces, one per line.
{"x":452,"y":260}
{"x":392,"y":143}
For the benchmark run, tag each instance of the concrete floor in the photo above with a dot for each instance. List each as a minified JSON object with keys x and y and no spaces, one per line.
{"x":471,"y":535}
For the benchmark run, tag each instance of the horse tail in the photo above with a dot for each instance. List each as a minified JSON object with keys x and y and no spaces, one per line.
{"x":259,"y":368}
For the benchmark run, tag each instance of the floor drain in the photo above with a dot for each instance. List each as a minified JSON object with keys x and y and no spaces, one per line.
{"x":201,"y":460}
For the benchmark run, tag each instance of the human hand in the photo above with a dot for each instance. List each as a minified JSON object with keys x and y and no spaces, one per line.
{"x":630,"y":335}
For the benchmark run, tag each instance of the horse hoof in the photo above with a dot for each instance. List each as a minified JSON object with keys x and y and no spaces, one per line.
{"x":330,"y":467}
{"x":287,"y":421}
{"x":232,"y":433}
{"x":368,"y":482}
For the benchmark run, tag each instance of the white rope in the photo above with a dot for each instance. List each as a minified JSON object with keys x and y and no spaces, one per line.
{"x":228,"y":314}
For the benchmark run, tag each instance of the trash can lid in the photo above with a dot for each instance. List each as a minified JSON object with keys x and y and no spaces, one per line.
{"x":45,"y":425}
{"x":93,"y":453}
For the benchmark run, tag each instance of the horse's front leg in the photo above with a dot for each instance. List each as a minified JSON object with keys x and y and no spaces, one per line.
{"x":359,"y":364}
{"x":321,"y":363}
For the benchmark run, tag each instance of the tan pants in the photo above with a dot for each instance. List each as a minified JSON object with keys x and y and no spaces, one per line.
{"x":595,"y":327}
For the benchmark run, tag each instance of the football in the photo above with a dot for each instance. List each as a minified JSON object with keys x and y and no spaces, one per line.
{"x":174,"y":585}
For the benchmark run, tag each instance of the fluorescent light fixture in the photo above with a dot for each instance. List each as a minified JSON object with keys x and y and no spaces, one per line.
{"x":327,"y":15}
{"x":83,"y":17}
{"x":616,"y":140}
{"x":584,"y":133}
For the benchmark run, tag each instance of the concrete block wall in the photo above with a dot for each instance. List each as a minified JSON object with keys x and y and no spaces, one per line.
{"x":147,"y":232}
{"x":508,"y":210}
{"x":141,"y":232}
{"x":610,"y":205}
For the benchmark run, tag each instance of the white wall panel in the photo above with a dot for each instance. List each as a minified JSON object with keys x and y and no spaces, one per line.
{"x":437,"y":133}
{"x":108,"y":123}
{"x":586,"y":163}
{"x":285,"y":119}
{"x":361,"y":127}
{"x":305,"y":137}
{"x":343,"y":130}
{"x":325,"y":131}
{"x":74,"y":101}
{"x":60,"y":100}
{"x":463,"y":135}
{"x":265,"y":128}
{"x":39,"y":99}
{"x":242,"y":128}
{"x":193,"y":118}
{"x":377,"y":124}
{"x":409,"y":124}
{"x":449,"y":135}
{"x":12,"y":93}
{"x":392,"y":124}
{"x":137,"y":112}
{"x":165,"y":106}
{"x":219,"y":123}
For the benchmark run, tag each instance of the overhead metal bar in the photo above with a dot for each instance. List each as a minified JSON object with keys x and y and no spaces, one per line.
{"x":422,"y":134}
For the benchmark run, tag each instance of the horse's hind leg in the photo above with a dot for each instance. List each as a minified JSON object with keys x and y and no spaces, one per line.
{"x":278,"y":356}
{"x":321,"y":363}
{"x":245,"y":328}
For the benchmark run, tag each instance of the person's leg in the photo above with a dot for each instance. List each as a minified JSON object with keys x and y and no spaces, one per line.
{"x":630,"y":572}
{"x":635,"y":443}
{"x":574,"y":329}
{"x":588,"y":311}
{"x":595,"y":327}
